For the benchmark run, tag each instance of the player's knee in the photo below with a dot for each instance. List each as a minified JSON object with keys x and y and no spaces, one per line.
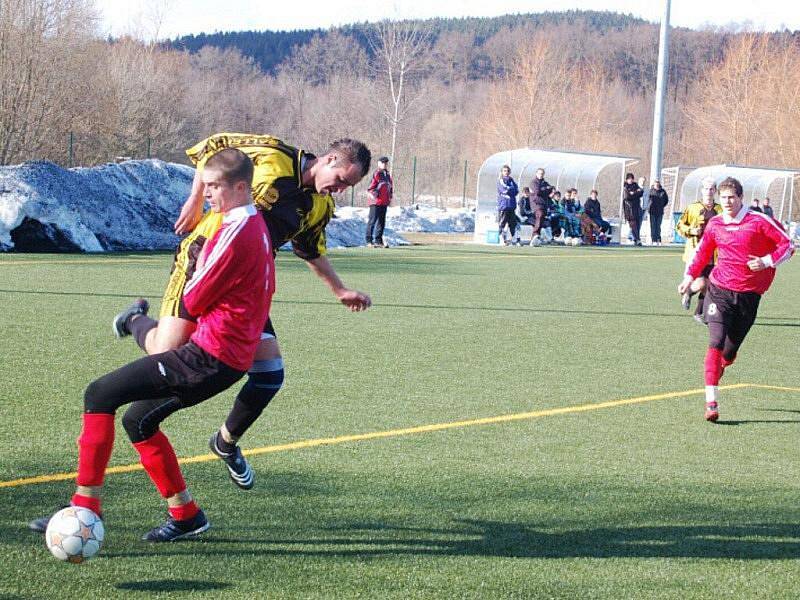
{"x":264,"y":380}
{"x":140,"y":424}
{"x":96,"y":398}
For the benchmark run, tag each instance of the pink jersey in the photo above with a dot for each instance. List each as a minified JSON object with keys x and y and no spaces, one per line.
{"x":736,"y":241}
{"x":232,"y":291}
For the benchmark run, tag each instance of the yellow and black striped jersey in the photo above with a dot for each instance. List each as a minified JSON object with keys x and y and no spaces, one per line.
{"x":696,"y":215}
{"x":291,"y":211}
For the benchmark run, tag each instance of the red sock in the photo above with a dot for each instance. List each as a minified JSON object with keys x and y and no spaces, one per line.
{"x":713,"y":366}
{"x":159,"y":460}
{"x":184,"y":511}
{"x":94,"y":448}
{"x":86,"y":502}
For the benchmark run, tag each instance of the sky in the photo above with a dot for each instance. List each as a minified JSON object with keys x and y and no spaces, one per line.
{"x":172,"y":18}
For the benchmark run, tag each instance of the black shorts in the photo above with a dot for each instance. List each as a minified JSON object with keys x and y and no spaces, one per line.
{"x":735,"y":310}
{"x":188,"y":374}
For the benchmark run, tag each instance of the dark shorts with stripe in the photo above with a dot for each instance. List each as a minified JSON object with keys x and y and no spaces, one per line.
{"x":735,"y":310}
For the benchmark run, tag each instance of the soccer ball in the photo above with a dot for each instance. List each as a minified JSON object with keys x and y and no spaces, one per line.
{"x":576,"y":241}
{"x":74,"y":534}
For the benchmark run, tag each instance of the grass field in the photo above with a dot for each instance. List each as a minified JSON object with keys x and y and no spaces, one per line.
{"x":576,"y":495}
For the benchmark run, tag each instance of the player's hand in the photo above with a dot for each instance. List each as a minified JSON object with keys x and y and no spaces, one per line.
{"x":354,"y":300}
{"x":191,"y":213}
{"x":756,"y":263}
{"x":694,"y":231}
{"x":683,"y":287}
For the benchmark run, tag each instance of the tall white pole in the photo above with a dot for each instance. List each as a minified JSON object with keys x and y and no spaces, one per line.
{"x":661,"y":92}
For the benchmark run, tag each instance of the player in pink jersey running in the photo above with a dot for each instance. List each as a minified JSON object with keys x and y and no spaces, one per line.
{"x":749,"y":246}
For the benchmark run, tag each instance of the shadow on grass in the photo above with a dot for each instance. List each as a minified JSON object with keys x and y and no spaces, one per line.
{"x":172,"y":585}
{"x":515,"y":540}
{"x":777,"y":410}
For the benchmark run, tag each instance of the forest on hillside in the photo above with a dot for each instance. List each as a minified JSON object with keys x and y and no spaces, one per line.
{"x":437,"y":96}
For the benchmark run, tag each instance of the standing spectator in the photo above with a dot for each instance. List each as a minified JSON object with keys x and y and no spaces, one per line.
{"x":593,"y":210}
{"x":507,"y":191}
{"x":755,"y":205}
{"x":632,"y":206}
{"x":691,"y":225}
{"x":658,"y":202}
{"x":750,"y":246}
{"x":767,"y":208}
{"x":540,"y":199}
{"x":380,"y":197}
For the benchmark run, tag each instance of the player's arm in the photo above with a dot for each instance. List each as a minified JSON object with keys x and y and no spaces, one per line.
{"x":783,"y":247}
{"x":353,"y":299}
{"x":683,"y":225}
{"x":708,"y":244}
{"x":192,"y":209}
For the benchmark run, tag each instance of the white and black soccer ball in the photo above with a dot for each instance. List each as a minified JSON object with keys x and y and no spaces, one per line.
{"x":74,"y":534}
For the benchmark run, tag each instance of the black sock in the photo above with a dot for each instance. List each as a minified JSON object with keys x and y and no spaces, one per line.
{"x":223,"y":445}
{"x":139,"y":328}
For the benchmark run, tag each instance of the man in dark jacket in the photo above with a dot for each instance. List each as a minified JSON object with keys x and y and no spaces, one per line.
{"x":507,"y":191}
{"x":592,"y":209}
{"x":540,"y":200}
{"x":658,"y":202}
{"x":380,"y":197}
{"x":632,"y":206}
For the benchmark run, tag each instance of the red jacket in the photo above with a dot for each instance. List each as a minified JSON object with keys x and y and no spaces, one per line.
{"x":232,"y":291}
{"x":380,"y":189}
{"x":736,"y":240}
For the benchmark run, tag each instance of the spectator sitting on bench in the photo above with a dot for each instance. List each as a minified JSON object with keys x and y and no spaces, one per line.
{"x":524,"y":211}
{"x":555,"y":217}
{"x":592,"y":208}
{"x":590,"y":231}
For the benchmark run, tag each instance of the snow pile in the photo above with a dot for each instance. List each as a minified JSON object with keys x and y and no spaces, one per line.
{"x":420,"y":218}
{"x":127,"y":206}
{"x":133,"y":205}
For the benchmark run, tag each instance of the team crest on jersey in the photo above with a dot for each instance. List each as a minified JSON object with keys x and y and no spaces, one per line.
{"x":712,"y":309}
{"x":271,"y":195}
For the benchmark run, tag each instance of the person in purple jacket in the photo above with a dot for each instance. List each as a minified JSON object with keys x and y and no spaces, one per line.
{"x":507,"y":191}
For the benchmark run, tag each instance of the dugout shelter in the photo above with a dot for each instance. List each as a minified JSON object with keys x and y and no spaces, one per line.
{"x":757,"y":182}
{"x":563,"y":170}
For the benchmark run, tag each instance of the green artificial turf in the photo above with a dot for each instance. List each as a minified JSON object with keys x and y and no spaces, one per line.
{"x":640,"y":500}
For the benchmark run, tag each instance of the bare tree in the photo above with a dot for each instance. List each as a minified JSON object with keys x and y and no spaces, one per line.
{"x":400,"y":59}
{"x":38,"y":41}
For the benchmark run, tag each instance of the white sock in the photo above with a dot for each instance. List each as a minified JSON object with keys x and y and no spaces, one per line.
{"x":711,"y":393}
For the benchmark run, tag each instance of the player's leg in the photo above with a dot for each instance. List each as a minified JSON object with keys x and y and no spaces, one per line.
{"x":719,"y":310}
{"x":264,"y":381}
{"x":175,"y":326}
{"x":102,"y":398}
{"x":745,"y":316}
{"x":191,"y":376}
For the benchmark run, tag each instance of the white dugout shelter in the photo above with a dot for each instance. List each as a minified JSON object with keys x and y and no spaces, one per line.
{"x":757,"y":182}
{"x":563,"y":170}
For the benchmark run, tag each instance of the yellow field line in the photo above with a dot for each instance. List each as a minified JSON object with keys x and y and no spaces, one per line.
{"x":774,"y":387}
{"x":360,"y":437}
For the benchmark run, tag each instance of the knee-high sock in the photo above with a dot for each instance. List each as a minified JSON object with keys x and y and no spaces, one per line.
{"x":139,"y":328}
{"x":159,"y":460}
{"x":713,"y":366}
{"x":94,"y":448}
{"x":263,"y":381}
